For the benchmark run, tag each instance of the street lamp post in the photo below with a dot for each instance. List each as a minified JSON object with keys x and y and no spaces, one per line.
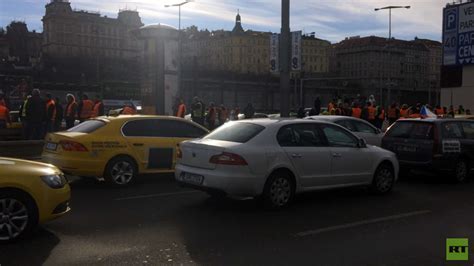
{"x":285,"y":59}
{"x":389,"y":38}
{"x":180,"y":43}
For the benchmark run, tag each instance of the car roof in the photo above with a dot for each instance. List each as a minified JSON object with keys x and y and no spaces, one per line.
{"x":330,"y":117}
{"x":126,"y":118}
{"x":434,"y":120}
{"x":280,"y":121}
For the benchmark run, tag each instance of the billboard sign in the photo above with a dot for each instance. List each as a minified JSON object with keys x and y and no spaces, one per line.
{"x":458,"y":34}
{"x":296,"y":51}
{"x":274,"y":51}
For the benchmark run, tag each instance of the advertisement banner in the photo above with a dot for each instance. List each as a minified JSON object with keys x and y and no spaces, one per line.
{"x":296,"y":51}
{"x":458,"y":34}
{"x":274,"y":53}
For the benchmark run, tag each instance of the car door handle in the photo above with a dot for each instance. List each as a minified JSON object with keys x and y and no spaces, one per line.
{"x":296,"y":155}
{"x":138,"y":144}
{"x":336,"y":155}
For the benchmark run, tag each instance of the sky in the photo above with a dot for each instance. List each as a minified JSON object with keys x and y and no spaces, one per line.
{"x":332,"y":20}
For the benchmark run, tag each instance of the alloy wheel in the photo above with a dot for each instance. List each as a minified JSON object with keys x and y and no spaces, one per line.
{"x":461,"y":171}
{"x":122,"y":173}
{"x":13,"y":218}
{"x":384,"y":180}
{"x":280,"y":191}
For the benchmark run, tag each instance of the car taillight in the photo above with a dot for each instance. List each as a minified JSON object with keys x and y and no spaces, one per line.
{"x":68,"y":145}
{"x":179,"y":153}
{"x":228,"y":159}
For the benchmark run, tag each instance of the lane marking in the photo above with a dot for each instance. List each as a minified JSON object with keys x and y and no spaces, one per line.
{"x":360,"y":223}
{"x":158,"y":195}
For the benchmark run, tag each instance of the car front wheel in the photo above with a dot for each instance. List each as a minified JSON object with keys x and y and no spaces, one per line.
{"x":384,"y":179}
{"x":121,"y":171}
{"x":18,"y":216}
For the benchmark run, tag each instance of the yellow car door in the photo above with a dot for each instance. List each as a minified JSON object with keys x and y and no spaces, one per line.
{"x":146,"y":140}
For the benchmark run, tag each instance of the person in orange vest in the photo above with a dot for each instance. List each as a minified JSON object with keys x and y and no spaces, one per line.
{"x":59,"y":114}
{"x":4,"y":116}
{"x":71,"y":111}
{"x":393,"y":113}
{"x":416,"y":111}
{"x":405,"y":111}
{"x":439,"y":111}
{"x":50,"y":113}
{"x":222,"y":114}
{"x":211,"y":116}
{"x":129,"y":109}
{"x":371,"y":113}
{"x":98,"y":109}
{"x":181,"y":109}
{"x":85,"y":108}
{"x":356,"y":111}
{"x":331,"y":108}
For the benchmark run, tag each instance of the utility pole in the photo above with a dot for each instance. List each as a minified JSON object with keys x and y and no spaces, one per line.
{"x":285,"y":59}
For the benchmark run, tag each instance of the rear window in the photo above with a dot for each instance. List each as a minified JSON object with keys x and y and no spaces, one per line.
{"x":88,"y":126}
{"x":236,"y":132}
{"x":412,"y":130}
{"x":452,"y":130}
{"x":468,"y":128}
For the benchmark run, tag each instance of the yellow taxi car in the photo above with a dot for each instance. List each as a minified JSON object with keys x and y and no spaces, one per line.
{"x":118,"y":148}
{"x":30,"y":193}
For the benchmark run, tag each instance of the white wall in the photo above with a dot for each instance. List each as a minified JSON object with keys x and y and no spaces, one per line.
{"x":463,"y":95}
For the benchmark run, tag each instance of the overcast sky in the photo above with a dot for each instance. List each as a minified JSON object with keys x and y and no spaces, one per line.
{"x":332,"y":20}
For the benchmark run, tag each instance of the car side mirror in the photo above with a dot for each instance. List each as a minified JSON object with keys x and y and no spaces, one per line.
{"x":362,"y":143}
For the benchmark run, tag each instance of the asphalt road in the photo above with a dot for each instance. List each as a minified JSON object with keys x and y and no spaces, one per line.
{"x":157,"y":223}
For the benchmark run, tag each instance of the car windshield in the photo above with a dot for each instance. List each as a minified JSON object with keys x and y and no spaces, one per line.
{"x":88,"y":126}
{"x":236,"y":132}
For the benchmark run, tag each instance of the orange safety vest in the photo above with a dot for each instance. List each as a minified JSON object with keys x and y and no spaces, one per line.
{"x":330,"y":107}
{"x":70,"y":109}
{"x":439,"y":111}
{"x":4,"y":113}
{"x":371,"y":111}
{"x":95,"y":110}
{"x":404,"y":113}
{"x":356,"y":112}
{"x":128,"y":111}
{"x":181,"y":110}
{"x":48,"y":105}
{"x":415,"y":116}
{"x":382,"y":114}
{"x":392,"y":113}
{"x":87,"y":109}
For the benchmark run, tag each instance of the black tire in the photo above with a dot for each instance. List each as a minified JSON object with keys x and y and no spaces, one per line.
{"x":14,"y":206}
{"x":279,"y":191}
{"x":121,"y":171}
{"x":461,"y":171}
{"x":384,"y":179}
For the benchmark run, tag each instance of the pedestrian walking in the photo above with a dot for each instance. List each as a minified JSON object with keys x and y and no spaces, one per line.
{"x":211,"y":117}
{"x":356,"y":111}
{"x":59,"y":114}
{"x":249,"y":111}
{"x":36,"y":115}
{"x":23,"y":117}
{"x":316,"y":110}
{"x":98,"y":109}
{"x":181,"y":109}
{"x":85,"y":108}
{"x":222,"y":114}
{"x":197,"y":111}
{"x":50,"y":113}
{"x":371,"y":112}
{"x":393,"y":113}
{"x":71,"y":111}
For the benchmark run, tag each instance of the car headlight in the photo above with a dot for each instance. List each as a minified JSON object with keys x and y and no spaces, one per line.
{"x":54,"y":181}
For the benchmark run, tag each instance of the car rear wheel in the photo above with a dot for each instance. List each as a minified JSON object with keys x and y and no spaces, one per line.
{"x":18,"y":216}
{"x":384,"y":179}
{"x":121,"y":171}
{"x":279,"y":191}
{"x":461,"y":171}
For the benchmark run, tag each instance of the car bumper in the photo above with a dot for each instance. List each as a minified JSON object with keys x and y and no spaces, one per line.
{"x":236,"y":183}
{"x":54,"y":203}
{"x":73,"y":166}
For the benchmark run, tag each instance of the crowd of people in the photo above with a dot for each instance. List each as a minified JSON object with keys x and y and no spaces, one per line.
{"x":41,"y":115}
{"x":376,"y":114}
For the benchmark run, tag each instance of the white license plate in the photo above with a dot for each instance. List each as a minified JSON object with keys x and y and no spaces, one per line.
{"x":51,"y":146}
{"x":192,"y":178}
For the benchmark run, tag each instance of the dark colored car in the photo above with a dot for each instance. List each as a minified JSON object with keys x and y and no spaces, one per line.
{"x":435,"y":145}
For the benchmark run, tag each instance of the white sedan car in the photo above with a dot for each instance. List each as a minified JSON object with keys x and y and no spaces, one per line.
{"x":359,"y":127}
{"x":276,"y":159}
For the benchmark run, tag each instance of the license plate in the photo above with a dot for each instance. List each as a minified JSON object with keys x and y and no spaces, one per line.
{"x":192,"y":178}
{"x":51,"y":146}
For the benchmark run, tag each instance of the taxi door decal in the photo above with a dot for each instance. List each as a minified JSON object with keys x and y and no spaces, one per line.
{"x":160,"y":158}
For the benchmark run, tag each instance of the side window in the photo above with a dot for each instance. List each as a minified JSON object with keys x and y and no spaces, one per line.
{"x":451,"y":130}
{"x":187,"y":130}
{"x":364,"y":128}
{"x":347,"y":124}
{"x":300,"y":135}
{"x":338,"y":137}
{"x":139,"y":128}
{"x":468,"y":128}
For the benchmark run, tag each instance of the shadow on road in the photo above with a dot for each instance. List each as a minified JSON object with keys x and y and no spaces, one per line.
{"x":34,"y":250}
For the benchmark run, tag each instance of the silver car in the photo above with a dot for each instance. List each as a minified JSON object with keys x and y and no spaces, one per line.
{"x":359,"y":127}
{"x":276,"y":159}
